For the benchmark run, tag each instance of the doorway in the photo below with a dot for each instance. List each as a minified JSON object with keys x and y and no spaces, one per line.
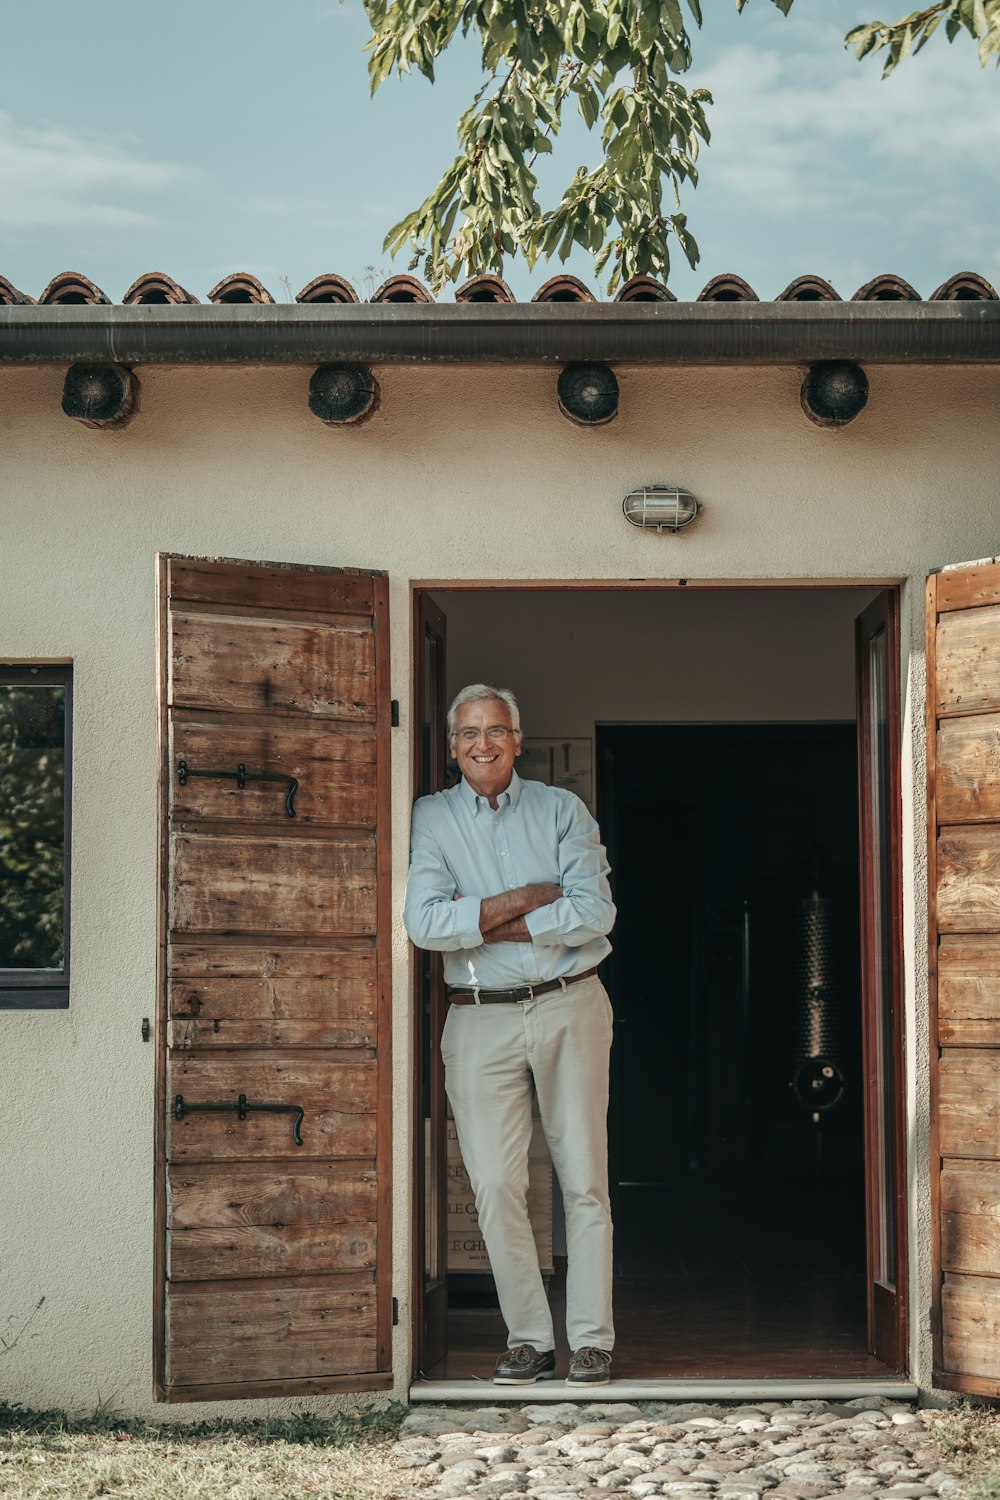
{"x":715,"y":734}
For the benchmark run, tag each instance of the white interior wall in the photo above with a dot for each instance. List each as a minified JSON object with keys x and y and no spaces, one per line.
{"x":576,"y":658}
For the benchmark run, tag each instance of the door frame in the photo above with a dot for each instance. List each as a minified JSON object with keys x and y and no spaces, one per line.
{"x":891,"y":587}
{"x":888,"y":1305}
{"x":428,"y":1320}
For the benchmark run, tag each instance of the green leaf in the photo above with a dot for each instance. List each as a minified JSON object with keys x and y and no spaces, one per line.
{"x":589,"y":105}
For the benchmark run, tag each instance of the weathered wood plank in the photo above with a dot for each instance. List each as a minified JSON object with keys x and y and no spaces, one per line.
{"x":334,"y":766}
{"x":272,"y":884}
{"x":227,"y":996}
{"x":969,"y":1103}
{"x":246,"y":1220}
{"x":317,"y":1031}
{"x":968,"y":970}
{"x":229,"y":1333}
{"x":968,"y":780}
{"x":264,"y":1390}
{"x":970,"y":1217}
{"x":969,"y":976}
{"x":968,"y":661}
{"x":970,"y":1316}
{"x":341,"y":959}
{"x":968,"y":587}
{"x":969,"y":990}
{"x":271,"y":587}
{"x":339,"y":1099}
{"x":968,"y":883}
{"x":246,"y":663}
{"x":965,"y":1033}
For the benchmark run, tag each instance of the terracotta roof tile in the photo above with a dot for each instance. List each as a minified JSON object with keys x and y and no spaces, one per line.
{"x":808,"y":289}
{"x":242,"y":287}
{"x":564,"y":289}
{"x":11,"y":297}
{"x":71,"y":287}
{"x":887,"y":288}
{"x":402,"y":289}
{"x":155,"y":287}
{"x":967,"y":286}
{"x":645,"y":289}
{"x":728,"y":288}
{"x":327,"y":288}
{"x":485,"y":289}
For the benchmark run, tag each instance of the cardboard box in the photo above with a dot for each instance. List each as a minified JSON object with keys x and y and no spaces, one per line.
{"x":466,"y":1250}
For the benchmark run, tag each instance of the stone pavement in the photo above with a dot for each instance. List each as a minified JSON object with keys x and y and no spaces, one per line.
{"x":869,"y":1448}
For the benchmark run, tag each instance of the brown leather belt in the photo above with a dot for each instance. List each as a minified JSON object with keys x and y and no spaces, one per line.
{"x":514,"y":997}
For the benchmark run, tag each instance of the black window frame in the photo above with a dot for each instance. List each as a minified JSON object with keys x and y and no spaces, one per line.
{"x":48,"y":989}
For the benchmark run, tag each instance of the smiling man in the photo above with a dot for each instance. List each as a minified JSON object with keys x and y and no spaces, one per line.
{"x":509,"y":880}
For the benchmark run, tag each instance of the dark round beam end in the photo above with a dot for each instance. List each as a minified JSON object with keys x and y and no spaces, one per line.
{"x":834,"y":392}
{"x":341,"y":394}
{"x":588,"y":393}
{"x":100,"y":396}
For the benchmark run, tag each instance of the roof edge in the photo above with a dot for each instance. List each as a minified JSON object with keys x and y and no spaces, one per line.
{"x":660,"y":332}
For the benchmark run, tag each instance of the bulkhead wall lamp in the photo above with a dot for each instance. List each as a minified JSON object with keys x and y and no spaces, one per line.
{"x":661,"y":507}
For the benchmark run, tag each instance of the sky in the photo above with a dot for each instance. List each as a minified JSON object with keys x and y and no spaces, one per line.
{"x":206,"y":138}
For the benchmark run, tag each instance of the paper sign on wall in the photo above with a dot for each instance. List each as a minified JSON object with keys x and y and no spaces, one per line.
{"x":567,"y":763}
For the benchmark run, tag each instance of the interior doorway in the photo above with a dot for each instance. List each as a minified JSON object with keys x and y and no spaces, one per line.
{"x":715,"y":735}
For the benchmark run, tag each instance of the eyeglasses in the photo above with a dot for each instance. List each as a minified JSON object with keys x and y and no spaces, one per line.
{"x":496,"y":732}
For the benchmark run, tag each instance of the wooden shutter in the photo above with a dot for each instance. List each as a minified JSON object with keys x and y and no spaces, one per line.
{"x":273,"y":1256}
{"x":963,"y":705}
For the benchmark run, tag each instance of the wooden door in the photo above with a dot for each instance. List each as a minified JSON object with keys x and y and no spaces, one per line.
{"x":879,"y":806}
{"x":963,"y":789}
{"x":273,"y":1139}
{"x":430,"y":1291}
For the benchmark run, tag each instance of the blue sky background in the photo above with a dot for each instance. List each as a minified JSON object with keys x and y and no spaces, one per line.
{"x":205,"y":138}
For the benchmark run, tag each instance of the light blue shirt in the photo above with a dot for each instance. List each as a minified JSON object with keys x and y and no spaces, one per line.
{"x":461,"y":852}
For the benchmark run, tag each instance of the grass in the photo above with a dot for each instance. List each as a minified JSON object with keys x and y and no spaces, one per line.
{"x":968,"y":1438}
{"x":342,"y":1457}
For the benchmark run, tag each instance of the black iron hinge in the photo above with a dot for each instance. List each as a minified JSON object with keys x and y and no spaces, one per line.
{"x":395,"y":1312}
{"x":395,"y":713}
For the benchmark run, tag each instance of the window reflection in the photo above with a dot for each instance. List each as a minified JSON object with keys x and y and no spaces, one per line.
{"x":32,"y":825}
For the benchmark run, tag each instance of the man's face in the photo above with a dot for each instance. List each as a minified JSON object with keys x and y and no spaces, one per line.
{"x":485,"y":760}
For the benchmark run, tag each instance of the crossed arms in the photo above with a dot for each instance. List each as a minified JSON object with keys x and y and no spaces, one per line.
{"x":501,"y":918}
{"x":571,"y":911}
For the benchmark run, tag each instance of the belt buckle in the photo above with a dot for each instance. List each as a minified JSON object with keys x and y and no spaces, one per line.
{"x":530,"y":995}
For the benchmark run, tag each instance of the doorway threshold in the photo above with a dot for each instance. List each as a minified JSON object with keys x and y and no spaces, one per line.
{"x":749,"y":1388}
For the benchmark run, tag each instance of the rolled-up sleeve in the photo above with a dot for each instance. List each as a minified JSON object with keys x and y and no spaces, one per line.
{"x":432,"y":915}
{"x":585,"y":910}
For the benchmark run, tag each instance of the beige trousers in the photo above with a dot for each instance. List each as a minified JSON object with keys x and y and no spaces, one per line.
{"x":496,"y":1057}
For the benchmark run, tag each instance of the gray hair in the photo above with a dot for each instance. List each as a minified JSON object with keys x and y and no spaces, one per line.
{"x":482,"y":692}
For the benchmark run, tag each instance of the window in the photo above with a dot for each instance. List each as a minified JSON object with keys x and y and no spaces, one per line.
{"x":34,"y":836}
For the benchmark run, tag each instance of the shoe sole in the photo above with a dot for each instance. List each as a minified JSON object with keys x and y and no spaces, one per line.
{"x":576,"y":1380}
{"x":531,"y":1380}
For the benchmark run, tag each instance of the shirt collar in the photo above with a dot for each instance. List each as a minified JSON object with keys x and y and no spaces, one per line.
{"x":511,"y":794}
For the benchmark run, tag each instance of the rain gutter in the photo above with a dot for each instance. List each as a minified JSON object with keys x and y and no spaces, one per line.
{"x":678,"y":333}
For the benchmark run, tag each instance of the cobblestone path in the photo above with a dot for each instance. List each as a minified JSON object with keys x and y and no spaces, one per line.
{"x":864,"y":1449}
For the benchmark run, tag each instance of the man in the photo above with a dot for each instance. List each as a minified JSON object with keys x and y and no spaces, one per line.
{"x":508,"y":878}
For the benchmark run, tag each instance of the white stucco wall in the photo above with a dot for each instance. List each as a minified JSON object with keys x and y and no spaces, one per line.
{"x":463,"y":474}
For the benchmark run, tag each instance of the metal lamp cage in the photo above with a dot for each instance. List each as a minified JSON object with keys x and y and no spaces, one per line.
{"x":661,"y":507}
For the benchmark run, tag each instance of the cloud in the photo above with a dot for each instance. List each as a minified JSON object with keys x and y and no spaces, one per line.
{"x":55,"y":177}
{"x":807,"y":130}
